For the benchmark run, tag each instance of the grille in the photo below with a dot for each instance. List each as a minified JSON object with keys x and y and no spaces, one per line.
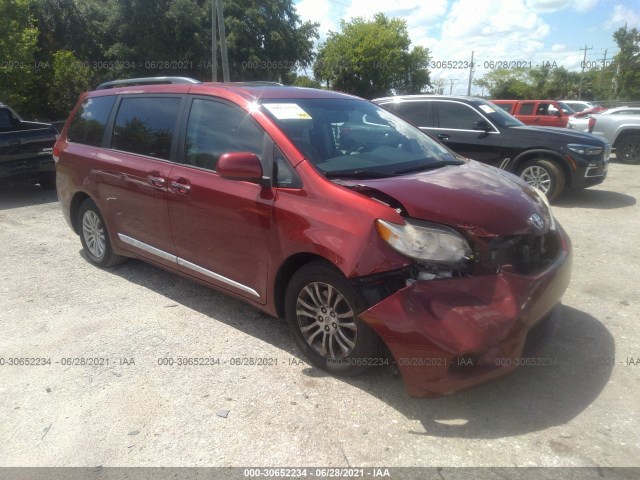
{"x":526,"y":254}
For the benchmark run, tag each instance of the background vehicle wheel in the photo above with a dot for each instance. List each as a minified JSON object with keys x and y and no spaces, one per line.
{"x":628,"y":149}
{"x":321,"y":308}
{"x":545,"y":175}
{"x":95,"y":237}
{"x":48,"y":183}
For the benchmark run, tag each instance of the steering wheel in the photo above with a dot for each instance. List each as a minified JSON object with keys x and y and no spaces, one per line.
{"x":359,"y":148}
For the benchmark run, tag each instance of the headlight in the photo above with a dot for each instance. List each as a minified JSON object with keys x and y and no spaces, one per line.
{"x":425,"y":242}
{"x":584,"y":149}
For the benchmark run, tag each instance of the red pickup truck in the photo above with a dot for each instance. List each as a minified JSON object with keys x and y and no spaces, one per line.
{"x":546,"y":113}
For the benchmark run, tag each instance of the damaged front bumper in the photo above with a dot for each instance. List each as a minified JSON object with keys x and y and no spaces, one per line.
{"x":450,"y":334}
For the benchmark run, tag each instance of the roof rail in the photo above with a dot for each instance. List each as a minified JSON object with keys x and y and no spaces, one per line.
{"x":257,"y":83}
{"x":145,"y":81}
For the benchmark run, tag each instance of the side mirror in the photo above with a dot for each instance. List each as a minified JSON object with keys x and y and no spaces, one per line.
{"x":240,"y":166}
{"x":558,"y":113}
{"x":482,"y":125}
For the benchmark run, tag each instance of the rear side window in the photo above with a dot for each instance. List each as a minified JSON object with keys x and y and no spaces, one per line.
{"x":457,"y":116}
{"x":215,"y":128}
{"x":418,"y":113}
{"x":526,"y":108}
{"x":145,"y":125}
{"x":88,"y":125}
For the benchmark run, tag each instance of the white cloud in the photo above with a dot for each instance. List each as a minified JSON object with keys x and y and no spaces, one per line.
{"x":622,"y":15}
{"x":558,"y":47}
{"x":319,"y":11}
{"x":548,"y":6}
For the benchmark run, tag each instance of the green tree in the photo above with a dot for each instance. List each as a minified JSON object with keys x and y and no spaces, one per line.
{"x":627,"y":62}
{"x":304,"y":81}
{"x":18,"y":43}
{"x":509,"y":84}
{"x":266,"y":40}
{"x":70,"y":79}
{"x":372,"y":58}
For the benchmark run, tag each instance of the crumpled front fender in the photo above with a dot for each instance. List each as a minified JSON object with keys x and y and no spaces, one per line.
{"x":431,"y":324}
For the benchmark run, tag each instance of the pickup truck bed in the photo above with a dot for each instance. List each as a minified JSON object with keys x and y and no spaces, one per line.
{"x":26,"y":149}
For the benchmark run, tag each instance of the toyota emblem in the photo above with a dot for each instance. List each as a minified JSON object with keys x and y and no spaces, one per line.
{"x":537,"y":221}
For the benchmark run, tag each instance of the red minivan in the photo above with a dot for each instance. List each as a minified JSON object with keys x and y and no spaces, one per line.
{"x":375,"y":242}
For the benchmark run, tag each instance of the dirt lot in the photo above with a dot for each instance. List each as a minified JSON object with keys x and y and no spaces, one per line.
{"x":131,"y":411}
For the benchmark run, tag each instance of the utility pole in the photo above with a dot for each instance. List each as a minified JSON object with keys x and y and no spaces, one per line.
{"x":604,"y":65}
{"x":451,"y":87}
{"x":584,"y":60}
{"x":217,"y":11}
{"x":470,"y":74}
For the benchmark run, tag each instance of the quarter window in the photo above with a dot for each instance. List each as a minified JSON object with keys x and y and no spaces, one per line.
{"x":88,"y":125}
{"x":145,"y":125}
{"x":216,"y":128}
{"x":457,"y":116}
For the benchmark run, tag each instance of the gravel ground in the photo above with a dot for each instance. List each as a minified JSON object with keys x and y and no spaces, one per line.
{"x":584,"y":411}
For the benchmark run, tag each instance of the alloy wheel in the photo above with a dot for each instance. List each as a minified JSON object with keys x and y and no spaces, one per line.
{"x":326,"y":320}
{"x":93,"y":232}
{"x":537,"y":177}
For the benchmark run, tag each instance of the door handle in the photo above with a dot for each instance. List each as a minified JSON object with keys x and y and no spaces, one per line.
{"x":537,"y":120}
{"x":156,"y":181}
{"x":180,"y":186}
{"x":443,"y":136}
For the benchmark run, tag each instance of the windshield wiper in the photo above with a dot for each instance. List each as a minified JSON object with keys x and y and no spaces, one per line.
{"x":362,"y":174}
{"x":428,"y":166}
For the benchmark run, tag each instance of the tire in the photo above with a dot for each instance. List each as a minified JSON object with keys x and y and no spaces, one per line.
{"x":48,"y":182}
{"x":544,"y":175}
{"x":321,"y":308}
{"x":95,"y":236}
{"x":628,"y":149}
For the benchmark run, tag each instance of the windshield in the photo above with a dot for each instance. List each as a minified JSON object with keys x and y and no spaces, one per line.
{"x":566,"y":108}
{"x":498,"y":115}
{"x":346,"y":137}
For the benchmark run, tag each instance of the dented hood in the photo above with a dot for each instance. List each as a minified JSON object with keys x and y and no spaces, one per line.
{"x":481,"y":199}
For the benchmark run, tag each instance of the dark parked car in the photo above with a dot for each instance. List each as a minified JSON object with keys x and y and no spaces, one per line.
{"x":547,"y":158}
{"x":26,"y":149}
{"x":383,"y":239}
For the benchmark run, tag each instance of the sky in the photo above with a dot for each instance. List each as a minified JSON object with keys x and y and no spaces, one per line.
{"x":511,"y":32}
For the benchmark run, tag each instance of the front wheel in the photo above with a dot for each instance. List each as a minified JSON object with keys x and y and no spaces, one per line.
{"x":95,"y":237}
{"x":628,"y":149}
{"x":544,"y":175}
{"x":322,"y":309}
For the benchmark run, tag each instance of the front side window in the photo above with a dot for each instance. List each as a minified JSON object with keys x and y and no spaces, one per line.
{"x":216,"y":128}
{"x":457,"y":116}
{"x":145,"y":125}
{"x":88,"y":125}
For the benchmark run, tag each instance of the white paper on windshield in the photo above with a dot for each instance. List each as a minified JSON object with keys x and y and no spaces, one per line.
{"x":486,"y":109}
{"x":287,"y":111}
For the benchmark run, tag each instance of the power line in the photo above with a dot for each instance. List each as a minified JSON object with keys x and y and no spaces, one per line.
{"x":584,"y":60}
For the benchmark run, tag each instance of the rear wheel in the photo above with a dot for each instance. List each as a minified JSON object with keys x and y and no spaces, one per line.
{"x":544,"y":175}
{"x":95,"y":237}
{"x":628,"y":149}
{"x":322,"y":309}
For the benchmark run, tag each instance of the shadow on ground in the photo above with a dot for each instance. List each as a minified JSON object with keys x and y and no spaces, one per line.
{"x":601,"y":199}
{"x":530,"y":399}
{"x":16,"y":195}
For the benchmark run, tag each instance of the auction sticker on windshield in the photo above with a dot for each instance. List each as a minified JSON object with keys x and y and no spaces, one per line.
{"x":486,"y":108}
{"x":287,"y":111}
